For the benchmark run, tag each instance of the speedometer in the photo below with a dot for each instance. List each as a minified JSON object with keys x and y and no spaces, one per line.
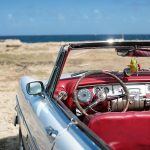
{"x":84,"y":95}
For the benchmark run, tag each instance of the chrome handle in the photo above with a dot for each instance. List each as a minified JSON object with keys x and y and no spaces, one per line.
{"x":52,"y":133}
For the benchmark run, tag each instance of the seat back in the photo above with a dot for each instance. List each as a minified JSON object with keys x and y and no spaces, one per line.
{"x":123,"y":130}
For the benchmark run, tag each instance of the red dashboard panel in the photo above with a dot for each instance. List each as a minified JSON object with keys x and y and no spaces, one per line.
{"x":68,"y":84}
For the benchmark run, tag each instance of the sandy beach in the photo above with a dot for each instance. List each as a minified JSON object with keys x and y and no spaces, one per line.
{"x":18,"y":59}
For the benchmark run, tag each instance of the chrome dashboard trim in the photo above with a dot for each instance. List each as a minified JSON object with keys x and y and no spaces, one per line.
{"x":112,"y":84}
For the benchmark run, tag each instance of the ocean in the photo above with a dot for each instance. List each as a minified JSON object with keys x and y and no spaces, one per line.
{"x":60,"y":38}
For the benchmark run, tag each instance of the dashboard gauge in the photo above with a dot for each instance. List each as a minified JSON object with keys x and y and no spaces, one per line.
{"x":63,"y":95}
{"x":99,"y":88}
{"x":148,"y":87}
{"x":96,"y":89}
{"x":106,"y":89}
{"x":102,"y":95}
{"x":84,"y":95}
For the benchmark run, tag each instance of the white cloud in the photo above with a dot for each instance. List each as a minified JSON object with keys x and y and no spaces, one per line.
{"x":85,"y":16}
{"x":98,"y":14}
{"x":10,"y":16}
{"x":61,"y":17}
{"x":96,"y":11}
{"x":133,"y":19}
{"x":31,"y":19}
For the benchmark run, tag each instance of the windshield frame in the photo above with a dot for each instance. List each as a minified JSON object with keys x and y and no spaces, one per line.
{"x":66,"y":48}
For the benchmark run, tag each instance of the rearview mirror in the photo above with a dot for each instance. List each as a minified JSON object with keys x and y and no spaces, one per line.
{"x":122,"y":51}
{"x":133,"y":52}
{"x":35,"y":88}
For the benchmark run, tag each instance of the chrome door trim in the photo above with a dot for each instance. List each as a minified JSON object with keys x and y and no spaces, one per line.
{"x":19,"y":112}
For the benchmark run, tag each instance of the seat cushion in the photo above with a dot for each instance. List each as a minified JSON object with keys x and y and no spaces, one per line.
{"x":123,"y":130}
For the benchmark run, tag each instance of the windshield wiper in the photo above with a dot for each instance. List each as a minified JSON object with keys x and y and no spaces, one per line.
{"x":78,"y":73}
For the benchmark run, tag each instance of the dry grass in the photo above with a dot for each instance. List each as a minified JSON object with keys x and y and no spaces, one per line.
{"x":27,"y":59}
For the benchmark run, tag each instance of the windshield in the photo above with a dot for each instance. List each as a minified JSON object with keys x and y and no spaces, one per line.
{"x":100,"y":59}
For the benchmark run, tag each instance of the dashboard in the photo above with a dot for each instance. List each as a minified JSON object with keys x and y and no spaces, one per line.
{"x":139,"y":94}
{"x":102,"y":87}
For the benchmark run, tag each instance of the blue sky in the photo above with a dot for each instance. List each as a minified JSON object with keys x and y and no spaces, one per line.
{"x":39,"y":17}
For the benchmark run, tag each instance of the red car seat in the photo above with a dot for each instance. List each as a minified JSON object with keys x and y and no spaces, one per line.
{"x":123,"y":130}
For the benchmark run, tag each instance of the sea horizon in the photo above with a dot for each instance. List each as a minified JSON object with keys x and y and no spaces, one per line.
{"x":74,"y":37}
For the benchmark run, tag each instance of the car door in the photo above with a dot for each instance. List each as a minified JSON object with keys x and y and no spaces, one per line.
{"x":48,"y":124}
{"x":33,"y":132}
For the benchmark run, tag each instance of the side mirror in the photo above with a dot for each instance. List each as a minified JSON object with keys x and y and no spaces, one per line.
{"x":35,"y":88}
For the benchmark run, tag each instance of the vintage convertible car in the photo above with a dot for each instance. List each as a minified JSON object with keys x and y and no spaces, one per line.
{"x":83,"y":106}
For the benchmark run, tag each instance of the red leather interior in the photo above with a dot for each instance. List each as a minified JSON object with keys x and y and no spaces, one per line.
{"x":142,"y":53}
{"x":123,"y":130}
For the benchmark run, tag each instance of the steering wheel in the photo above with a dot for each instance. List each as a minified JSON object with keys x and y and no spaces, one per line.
{"x":93,"y":104}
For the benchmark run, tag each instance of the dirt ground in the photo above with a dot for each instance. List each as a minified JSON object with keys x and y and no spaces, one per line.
{"x":18,"y":59}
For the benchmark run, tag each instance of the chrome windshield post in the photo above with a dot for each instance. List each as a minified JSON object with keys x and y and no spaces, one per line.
{"x":58,"y":67}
